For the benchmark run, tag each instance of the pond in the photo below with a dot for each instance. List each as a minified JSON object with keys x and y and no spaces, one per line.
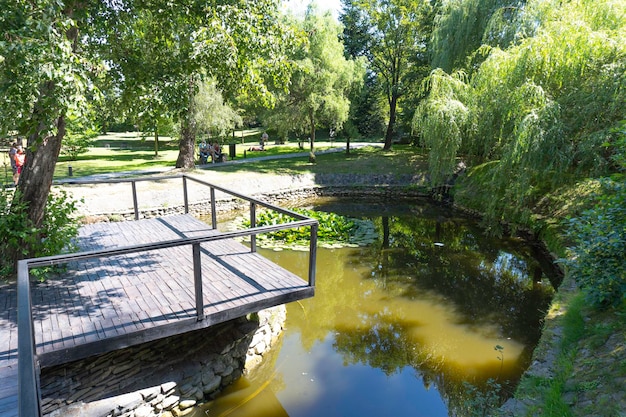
{"x":400,"y":327}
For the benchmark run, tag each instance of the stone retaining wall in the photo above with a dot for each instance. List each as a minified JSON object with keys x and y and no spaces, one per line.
{"x":167,"y":377}
{"x":292,"y":197}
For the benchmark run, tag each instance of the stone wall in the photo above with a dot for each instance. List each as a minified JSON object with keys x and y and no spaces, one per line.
{"x":167,"y":377}
{"x":290,"y":197}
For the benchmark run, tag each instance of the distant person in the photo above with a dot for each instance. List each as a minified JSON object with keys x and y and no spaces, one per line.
{"x":256,"y":148}
{"x":20,"y":159}
{"x":12,"y":153}
{"x":204,"y":151}
{"x":216,"y":153}
{"x":263,"y":141}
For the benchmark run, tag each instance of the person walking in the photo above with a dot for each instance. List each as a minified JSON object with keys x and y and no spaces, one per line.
{"x":20,"y":159}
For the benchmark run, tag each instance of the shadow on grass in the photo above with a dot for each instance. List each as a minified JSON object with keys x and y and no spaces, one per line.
{"x":119,"y":156}
{"x":367,"y":160}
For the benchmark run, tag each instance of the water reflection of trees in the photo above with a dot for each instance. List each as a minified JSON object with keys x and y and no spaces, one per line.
{"x":487,"y":281}
{"x":452,"y":257}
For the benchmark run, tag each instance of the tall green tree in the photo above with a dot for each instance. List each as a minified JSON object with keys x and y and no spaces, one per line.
{"x":539,"y":114}
{"x":214,"y":117}
{"x":321,"y":81}
{"x":166,"y":50}
{"x":43,"y":78}
{"x":392,"y":35}
{"x":52,"y":52}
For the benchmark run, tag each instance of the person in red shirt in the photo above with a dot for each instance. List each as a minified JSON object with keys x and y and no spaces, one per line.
{"x":20,"y":157}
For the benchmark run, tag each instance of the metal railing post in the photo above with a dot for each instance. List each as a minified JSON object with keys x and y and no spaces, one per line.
{"x":185,"y":195}
{"x":313,"y":255}
{"x":252,"y":225}
{"x":135,"y":205}
{"x":213,"y":213}
{"x":29,"y":397}
{"x":197,"y":278}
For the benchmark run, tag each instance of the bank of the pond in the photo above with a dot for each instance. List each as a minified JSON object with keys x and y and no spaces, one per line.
{"x":570,"y":374}
{"x":154,"y":379}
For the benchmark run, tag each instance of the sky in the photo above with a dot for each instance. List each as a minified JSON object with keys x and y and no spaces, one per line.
{"x":298,"y":7}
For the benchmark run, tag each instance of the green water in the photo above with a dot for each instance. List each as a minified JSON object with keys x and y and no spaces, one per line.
{"x":397,"y":327}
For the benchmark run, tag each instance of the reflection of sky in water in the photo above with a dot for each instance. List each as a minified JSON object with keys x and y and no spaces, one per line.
{"x":396,"y":331}
{"x":507,"y":264}
{"x":322,"y":385}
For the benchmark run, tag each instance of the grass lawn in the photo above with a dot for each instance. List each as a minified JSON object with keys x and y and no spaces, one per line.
{"x":402,"y":159}
{"x":118,"y":152}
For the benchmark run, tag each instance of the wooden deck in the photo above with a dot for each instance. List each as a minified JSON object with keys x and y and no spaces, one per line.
{"x":104,"y":304}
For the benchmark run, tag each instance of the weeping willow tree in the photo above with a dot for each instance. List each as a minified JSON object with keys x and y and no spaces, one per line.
{"x":443,"y":119}
{"x":214,"y":117}
{"x":463,"y":26}
{"x":538,"y":114}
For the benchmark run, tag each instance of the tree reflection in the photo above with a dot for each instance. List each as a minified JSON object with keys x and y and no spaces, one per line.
{"x":451,"y":257}
{"x":374,"y":300}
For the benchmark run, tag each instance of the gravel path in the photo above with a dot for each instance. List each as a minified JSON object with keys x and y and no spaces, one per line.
{"x":96,"y":199}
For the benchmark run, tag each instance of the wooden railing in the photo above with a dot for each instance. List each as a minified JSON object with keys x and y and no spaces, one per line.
{"x":28,"y":368}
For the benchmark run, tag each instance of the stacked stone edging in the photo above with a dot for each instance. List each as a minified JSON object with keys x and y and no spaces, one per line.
{"x":163,"y":378}
{"x":227,"y":205}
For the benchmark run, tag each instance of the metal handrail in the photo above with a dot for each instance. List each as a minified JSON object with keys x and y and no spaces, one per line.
{"x":28,"y":382}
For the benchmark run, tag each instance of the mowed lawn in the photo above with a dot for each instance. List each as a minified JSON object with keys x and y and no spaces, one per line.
{"x":118,"y":152}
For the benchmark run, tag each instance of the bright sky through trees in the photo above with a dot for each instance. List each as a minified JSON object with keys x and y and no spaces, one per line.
{"x":298,"y":7}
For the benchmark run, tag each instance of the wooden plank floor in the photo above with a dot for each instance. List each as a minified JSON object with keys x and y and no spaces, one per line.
{"x":105,"y":304}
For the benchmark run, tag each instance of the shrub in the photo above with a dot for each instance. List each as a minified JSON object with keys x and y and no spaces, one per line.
{"x":597,"y":258}
{"x":19,"y":236}
{"x":75,"y":144}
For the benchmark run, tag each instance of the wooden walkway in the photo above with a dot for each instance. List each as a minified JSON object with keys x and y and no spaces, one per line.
{"x":104,"y":304}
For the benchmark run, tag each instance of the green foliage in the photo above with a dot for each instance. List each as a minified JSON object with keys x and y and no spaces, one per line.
{"x":597,"y":258}
{"x":480,"y":402}
{"x":78,"y":138}
{"x":333,"y":228}
{"x":18,"y":235}
{"x":464,"y":25}
{"x":41,"y":74}
{"x":442,"y":120}
{"x":542,"y":109}
{"x":214,"y":117}
{"x":320,"y":83}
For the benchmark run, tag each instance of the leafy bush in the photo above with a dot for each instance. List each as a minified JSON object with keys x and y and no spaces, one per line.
{"x":597,"y":258}
{"x":19,"y":236}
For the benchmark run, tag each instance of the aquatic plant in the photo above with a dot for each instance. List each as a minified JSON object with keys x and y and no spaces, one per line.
{"x":334,"y":230}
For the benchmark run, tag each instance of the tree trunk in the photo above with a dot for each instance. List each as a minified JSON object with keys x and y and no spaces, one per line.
{"x":187,"y":145}
{"x":312,"y":158}
{"x":392,"y":121}
{"x":156,"y":143}
{"x":36,"y":179}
